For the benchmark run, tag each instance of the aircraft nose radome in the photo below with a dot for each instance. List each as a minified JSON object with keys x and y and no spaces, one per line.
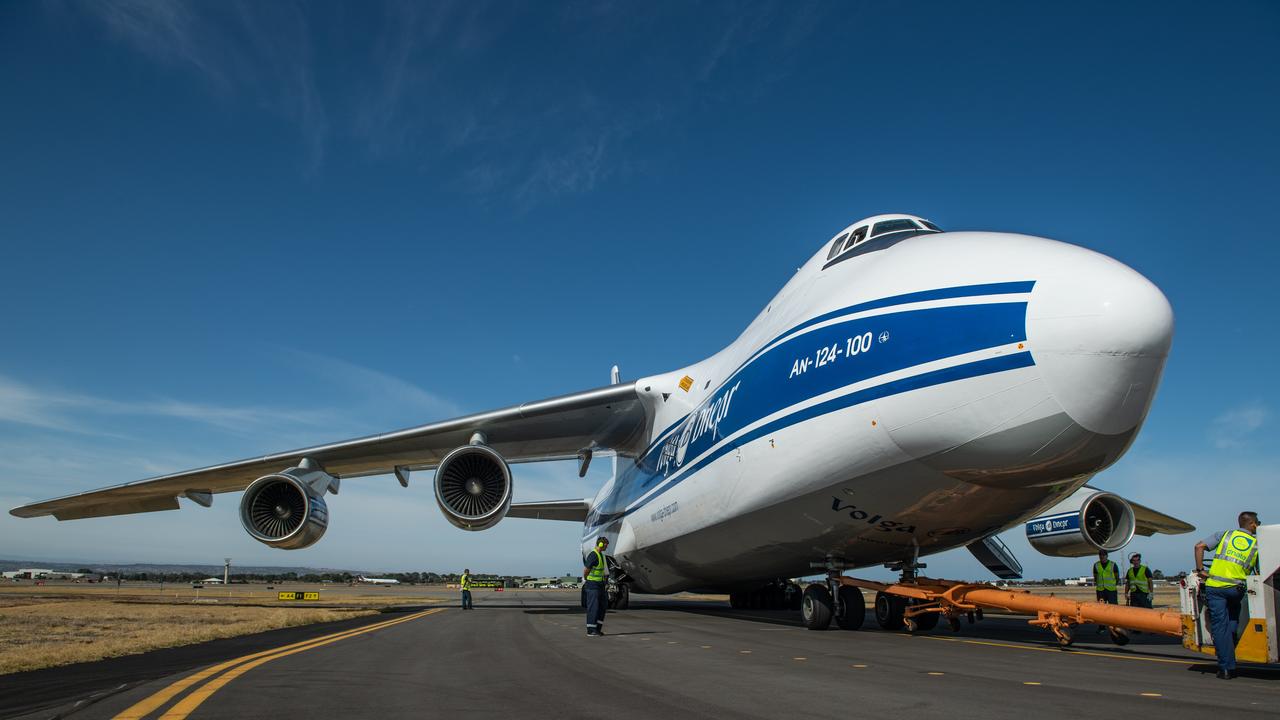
{"x":1100,"y":333}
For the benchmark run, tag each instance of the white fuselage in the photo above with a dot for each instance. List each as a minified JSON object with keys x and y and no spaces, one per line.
{"x":910,"y":398}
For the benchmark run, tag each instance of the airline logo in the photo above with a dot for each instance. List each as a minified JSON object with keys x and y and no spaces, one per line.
{"x":697,"y":433}
{"x":1053,"y":525}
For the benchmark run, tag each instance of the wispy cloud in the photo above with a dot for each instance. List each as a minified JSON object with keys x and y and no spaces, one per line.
{"x":522,"y":104}
{"x":69,"y":411}
{"x":1233,"y":428}
{"x":261,"y":52}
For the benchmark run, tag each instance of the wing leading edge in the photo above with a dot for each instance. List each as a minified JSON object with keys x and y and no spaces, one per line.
{"x":612,"y":417}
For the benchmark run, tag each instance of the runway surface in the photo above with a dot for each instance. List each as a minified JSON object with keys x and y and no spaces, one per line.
{"x":525,"y":652}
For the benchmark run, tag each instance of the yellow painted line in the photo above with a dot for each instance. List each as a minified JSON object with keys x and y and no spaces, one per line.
{"x":745,"y":652}
{"x":706,"y":647}
{"x":859,"y":666}
{"x":937,"y":673}
{"x":1150,"y":694}
{"x":188,"y":704}
{"x":1030,"y":683}
{"x":156,"y":700}
{"x":1113,"y":656}
{"x":799,"y":658}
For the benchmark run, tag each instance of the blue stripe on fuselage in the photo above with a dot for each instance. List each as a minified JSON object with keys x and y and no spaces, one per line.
{"x":788,"y":374}
{"x":982,"y":290}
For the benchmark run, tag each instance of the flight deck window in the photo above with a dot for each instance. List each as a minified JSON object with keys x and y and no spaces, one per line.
{"x":858,"y":236}
{"x":930,"y":225}
{"x":889,"y":226}
{"x":836,"y":246}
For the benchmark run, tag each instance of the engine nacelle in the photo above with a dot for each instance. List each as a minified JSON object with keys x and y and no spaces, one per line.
{"x":1088,"y":521}
{"x":473,"y":487}
{"x":286,"y":509}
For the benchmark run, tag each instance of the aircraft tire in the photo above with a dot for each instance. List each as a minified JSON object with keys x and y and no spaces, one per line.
{"x":889,"y":609}
{"x":925,"y":622}
{"x":624,"y":596}
{"x":853,"y":608}
{"x":816,"y":607}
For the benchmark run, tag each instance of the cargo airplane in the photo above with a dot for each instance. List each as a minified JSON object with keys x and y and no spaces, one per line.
{"x":907,"y":392}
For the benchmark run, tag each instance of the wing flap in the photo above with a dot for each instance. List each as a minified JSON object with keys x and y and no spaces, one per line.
{"x":575,"y":510}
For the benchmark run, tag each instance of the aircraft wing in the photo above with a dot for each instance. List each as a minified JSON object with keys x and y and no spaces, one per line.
{"x":612,"y":417}
{"x":1148,"y":522}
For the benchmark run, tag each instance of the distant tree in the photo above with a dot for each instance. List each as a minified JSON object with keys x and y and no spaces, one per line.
{"x":1157,"y":574}
{"x":85,"y":571}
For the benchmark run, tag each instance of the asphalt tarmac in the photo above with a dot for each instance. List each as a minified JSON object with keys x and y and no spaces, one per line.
{"x":525,"y":653}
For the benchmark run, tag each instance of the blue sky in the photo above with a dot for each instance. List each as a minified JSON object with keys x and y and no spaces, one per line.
{"x":233,"y":228}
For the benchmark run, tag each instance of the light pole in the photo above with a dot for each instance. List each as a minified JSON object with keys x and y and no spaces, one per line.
{"x":226,"y":571}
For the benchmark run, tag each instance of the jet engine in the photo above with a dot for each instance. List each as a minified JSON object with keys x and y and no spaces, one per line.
{"x":287,"y":509}
{"x":1088,"y":521}
{"x":473,"y":487}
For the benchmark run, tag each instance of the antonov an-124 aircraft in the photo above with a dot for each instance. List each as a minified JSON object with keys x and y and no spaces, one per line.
{"x":909,"y":391}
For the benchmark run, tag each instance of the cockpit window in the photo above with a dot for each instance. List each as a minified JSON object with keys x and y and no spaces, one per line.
{"x":930,"y":225}
{"x":858,"y":236}
{"x":837,"y":246}
{"x":888,"y":226}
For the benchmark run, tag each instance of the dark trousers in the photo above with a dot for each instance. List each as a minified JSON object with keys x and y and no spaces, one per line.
{"x":1224,"y":613}
{"x":1137,"y":598}
{"x":597,"y":603}
{"x":1108,"y":596}
{"x":466,"y":600}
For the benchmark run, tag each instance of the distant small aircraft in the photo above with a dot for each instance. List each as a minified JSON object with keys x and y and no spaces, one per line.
{"x":376,"y":581}
{"x":907,"y":392}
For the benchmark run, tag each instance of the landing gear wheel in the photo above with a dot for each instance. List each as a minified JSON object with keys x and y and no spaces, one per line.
{"x":924,"y":622}
{"x":889,"y":609}
{"x":955,"y":623}
{"x":853,"y":609}
{"x":816,"y":607}
{"x":624,"y":597}
{"x":1119,"y":636}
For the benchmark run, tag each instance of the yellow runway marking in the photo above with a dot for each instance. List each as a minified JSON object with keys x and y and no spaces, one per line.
{"x":799,"y":658}
{"x":706,"y":647}
{"x":1150,"y":694}
{"x":151,"y":703}
{"x":859,"y":666}
{"x":937,"y":673}
{"x":1056,"y":650}
{"x":1030,"y":683}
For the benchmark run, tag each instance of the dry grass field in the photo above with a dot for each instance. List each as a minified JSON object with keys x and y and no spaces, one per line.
{"x":61,"y":623}
{"x":37,"y":634}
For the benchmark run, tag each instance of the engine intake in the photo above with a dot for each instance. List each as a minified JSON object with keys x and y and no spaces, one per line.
{"x":285,"y":510}
{"x":1088,"y":521}
{"x":473,"y":487}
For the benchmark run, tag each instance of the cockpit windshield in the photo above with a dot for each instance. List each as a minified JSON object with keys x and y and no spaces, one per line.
{"x":898,"y":225}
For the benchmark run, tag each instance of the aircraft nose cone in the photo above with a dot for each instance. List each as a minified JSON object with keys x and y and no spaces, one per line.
{"x":1100,"y":333}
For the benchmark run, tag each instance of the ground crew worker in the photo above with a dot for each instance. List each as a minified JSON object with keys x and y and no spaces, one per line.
{"x":595,"y":573}
{"x":1106,"y":578}
{"x":466,"y":589}
{"x":1235,"y":556}
{"x":1138,"y":583}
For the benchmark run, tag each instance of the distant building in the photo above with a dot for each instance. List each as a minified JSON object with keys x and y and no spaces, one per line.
{"x":1080,"y":581}
{"x":41,"y":574}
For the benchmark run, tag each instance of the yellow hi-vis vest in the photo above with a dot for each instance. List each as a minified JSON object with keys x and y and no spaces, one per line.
{"x":466,"y":581}
{"x":1139,"y":578}
{"x":1105,"y":577}
{"x":597,"y":573}
{"x":1234,"y":557}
